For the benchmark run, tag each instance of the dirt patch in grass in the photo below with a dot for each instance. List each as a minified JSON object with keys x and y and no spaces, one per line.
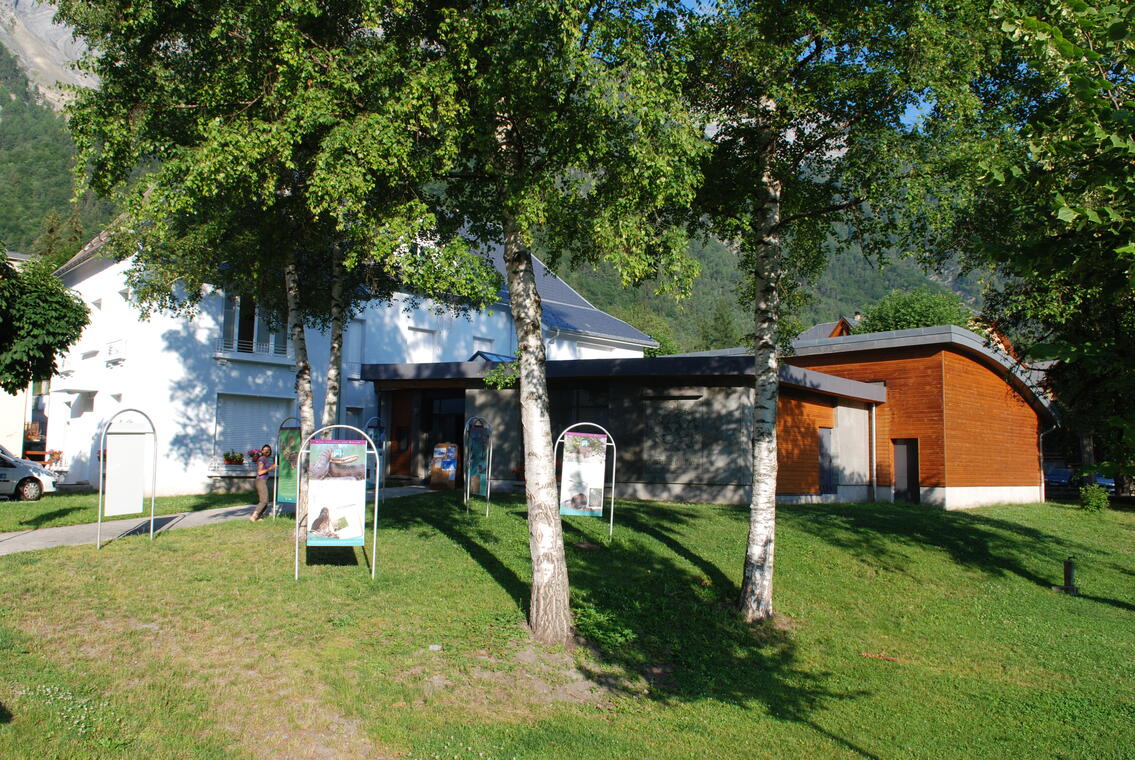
{"x":257,"y":693}
{"x":512,"y":684}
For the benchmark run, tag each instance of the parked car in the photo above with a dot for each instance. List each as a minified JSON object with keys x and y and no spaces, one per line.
{"x":22,"y":479}
{"x":1065,"y":479}
{"x":1100,"y":480}
{"x":1059,"y":478}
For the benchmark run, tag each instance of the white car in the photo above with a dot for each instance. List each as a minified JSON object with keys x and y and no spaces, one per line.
{"x":22,"y":479}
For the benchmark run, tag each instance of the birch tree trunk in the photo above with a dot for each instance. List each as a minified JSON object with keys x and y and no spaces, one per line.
{"x":335,"y":361}
{"x":756,"y":585}
{"x":303,"y":367}
{"x":549,"y":616}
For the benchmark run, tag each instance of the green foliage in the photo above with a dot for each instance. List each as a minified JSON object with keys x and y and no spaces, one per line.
{"x":503,"y":376}
{"x":721,"y":329}
{"x":39,"y":319}
{"x":1093,"y":497}
{"x":36,"y":156}
{"x":301,"y":135}
{"x":36,"y":161}
{"x":922,"y":307}
{"x":1059,"y":200}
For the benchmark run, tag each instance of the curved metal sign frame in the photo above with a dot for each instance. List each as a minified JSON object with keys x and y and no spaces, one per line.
{"x":102,"y":466}
{"x":469,"y":425}
{"x":614,"y":462}
{"x":302,"y":471}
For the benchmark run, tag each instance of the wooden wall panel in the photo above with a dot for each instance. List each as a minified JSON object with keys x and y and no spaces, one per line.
{"x":914,"y":380}
{"x":991,"y":432}
{"x":799,"y":417}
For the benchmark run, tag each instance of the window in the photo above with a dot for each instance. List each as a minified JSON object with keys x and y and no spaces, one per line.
{"x":246,"y":422}
{"x":353,"y":348}
{"x":482,"y":344}
{"x":244,"y":328}
{"x":422,"y":345}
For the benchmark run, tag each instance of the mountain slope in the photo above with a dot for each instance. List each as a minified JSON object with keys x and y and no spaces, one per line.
{"x":712,"y":318}
{"x":44,"y":49}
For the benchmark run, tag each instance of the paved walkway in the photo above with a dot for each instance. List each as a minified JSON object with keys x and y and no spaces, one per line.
{"x":74,"y":535}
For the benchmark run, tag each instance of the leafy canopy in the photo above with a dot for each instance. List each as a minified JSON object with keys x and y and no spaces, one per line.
{"x":922,"y":307}
{"x":39,"y":320}
{"x":1058,"y":202}
{"x":272,"y":128}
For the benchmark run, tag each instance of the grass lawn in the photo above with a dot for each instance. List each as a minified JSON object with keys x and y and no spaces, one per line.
{"x":904,"y":632}
{"x":75,"y":508}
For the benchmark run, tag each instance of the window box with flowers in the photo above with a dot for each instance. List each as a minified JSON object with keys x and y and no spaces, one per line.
{"x":232,"y":465}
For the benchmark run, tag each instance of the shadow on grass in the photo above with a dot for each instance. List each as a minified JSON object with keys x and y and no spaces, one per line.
{"x":880,"y":532}
{"x":330,"y":555}
{"x":658,"y":615}
{"x":38,"y":521}
{"x":5,"y":714}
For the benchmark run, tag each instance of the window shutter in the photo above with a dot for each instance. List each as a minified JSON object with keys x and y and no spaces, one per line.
{"x":247,"y":422}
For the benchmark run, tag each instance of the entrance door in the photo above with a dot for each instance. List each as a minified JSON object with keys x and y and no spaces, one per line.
{"x":401,"y":432}
{"x":827,"y":468}
{"x":906,"y":470}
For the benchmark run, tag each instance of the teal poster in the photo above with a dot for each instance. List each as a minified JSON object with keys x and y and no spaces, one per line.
{"x":478,"y":460}
{"x":287,"y":454}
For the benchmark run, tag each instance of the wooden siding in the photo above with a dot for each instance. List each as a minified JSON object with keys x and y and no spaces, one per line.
{"x":991,"y":432}
{"x":799,"y":417}
{"x":913,"y":377}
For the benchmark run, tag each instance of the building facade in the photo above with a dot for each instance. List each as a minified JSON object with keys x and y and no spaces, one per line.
{"x":225,"y":380}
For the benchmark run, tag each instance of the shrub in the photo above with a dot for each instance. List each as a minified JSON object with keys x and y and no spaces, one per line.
{"x":1093,"y":497}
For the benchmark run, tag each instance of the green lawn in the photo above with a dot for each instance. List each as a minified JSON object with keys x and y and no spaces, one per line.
{"x":904,"y":632}
{"x":56,"y":509}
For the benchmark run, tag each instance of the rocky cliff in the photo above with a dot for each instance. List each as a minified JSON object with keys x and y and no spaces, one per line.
{"x":45,"y":50}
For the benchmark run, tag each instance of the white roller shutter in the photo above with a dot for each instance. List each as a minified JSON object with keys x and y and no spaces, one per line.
{"x":248,"y":422}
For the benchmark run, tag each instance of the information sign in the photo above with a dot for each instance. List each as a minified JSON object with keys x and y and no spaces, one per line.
{"x":581,"y":486}
{"x":125,"y":459}
{"x":337,"y":492}
{"x":287,"y":482}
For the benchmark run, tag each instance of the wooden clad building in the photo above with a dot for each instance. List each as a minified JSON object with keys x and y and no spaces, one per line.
{"x":962,"y":424}
{"x":928,"y":416}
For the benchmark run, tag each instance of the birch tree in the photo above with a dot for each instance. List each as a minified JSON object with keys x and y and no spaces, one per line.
{"x":822,"y":113}
{"x":575,"y":140}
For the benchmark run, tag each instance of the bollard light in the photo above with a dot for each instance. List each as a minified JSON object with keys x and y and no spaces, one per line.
{"x":1069,"y":586}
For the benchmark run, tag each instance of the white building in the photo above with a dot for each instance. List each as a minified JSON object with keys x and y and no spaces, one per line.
{"x":225,"y":382}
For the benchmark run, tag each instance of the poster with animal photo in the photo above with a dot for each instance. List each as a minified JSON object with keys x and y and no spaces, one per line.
{"x":478,"y":460}
{"x":585,"y":462}
{"x":336,"y":479}
{"x":287,"y":454}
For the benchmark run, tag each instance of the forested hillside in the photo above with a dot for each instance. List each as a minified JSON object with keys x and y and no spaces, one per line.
{"x":36,"y":156}
{"x":712,"y":318}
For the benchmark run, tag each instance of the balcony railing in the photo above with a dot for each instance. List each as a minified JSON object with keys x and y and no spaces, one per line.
{"x":256,"y":347}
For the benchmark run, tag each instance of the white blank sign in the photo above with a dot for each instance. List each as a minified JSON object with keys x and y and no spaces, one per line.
{"x":125,"y":473}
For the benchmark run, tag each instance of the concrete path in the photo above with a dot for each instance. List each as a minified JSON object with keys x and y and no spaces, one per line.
{"x":74,"y":535}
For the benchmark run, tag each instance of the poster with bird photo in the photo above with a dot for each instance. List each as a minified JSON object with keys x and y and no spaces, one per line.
{"x":336,"y":493}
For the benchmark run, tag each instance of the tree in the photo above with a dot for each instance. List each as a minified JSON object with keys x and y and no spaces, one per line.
{"x":282,"y":148}
{"x":39,"y":320}
{"x":810,"y":106}
{"x":575,"y":140}
{"x":921,"y":307}
{"x":1060,"y":203}
{"x":719,"y":328}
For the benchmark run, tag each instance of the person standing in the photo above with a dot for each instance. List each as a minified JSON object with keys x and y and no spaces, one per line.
{"x":264,"y":466}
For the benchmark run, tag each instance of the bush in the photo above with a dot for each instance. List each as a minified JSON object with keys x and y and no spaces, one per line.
{"x":1093,"y":497}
